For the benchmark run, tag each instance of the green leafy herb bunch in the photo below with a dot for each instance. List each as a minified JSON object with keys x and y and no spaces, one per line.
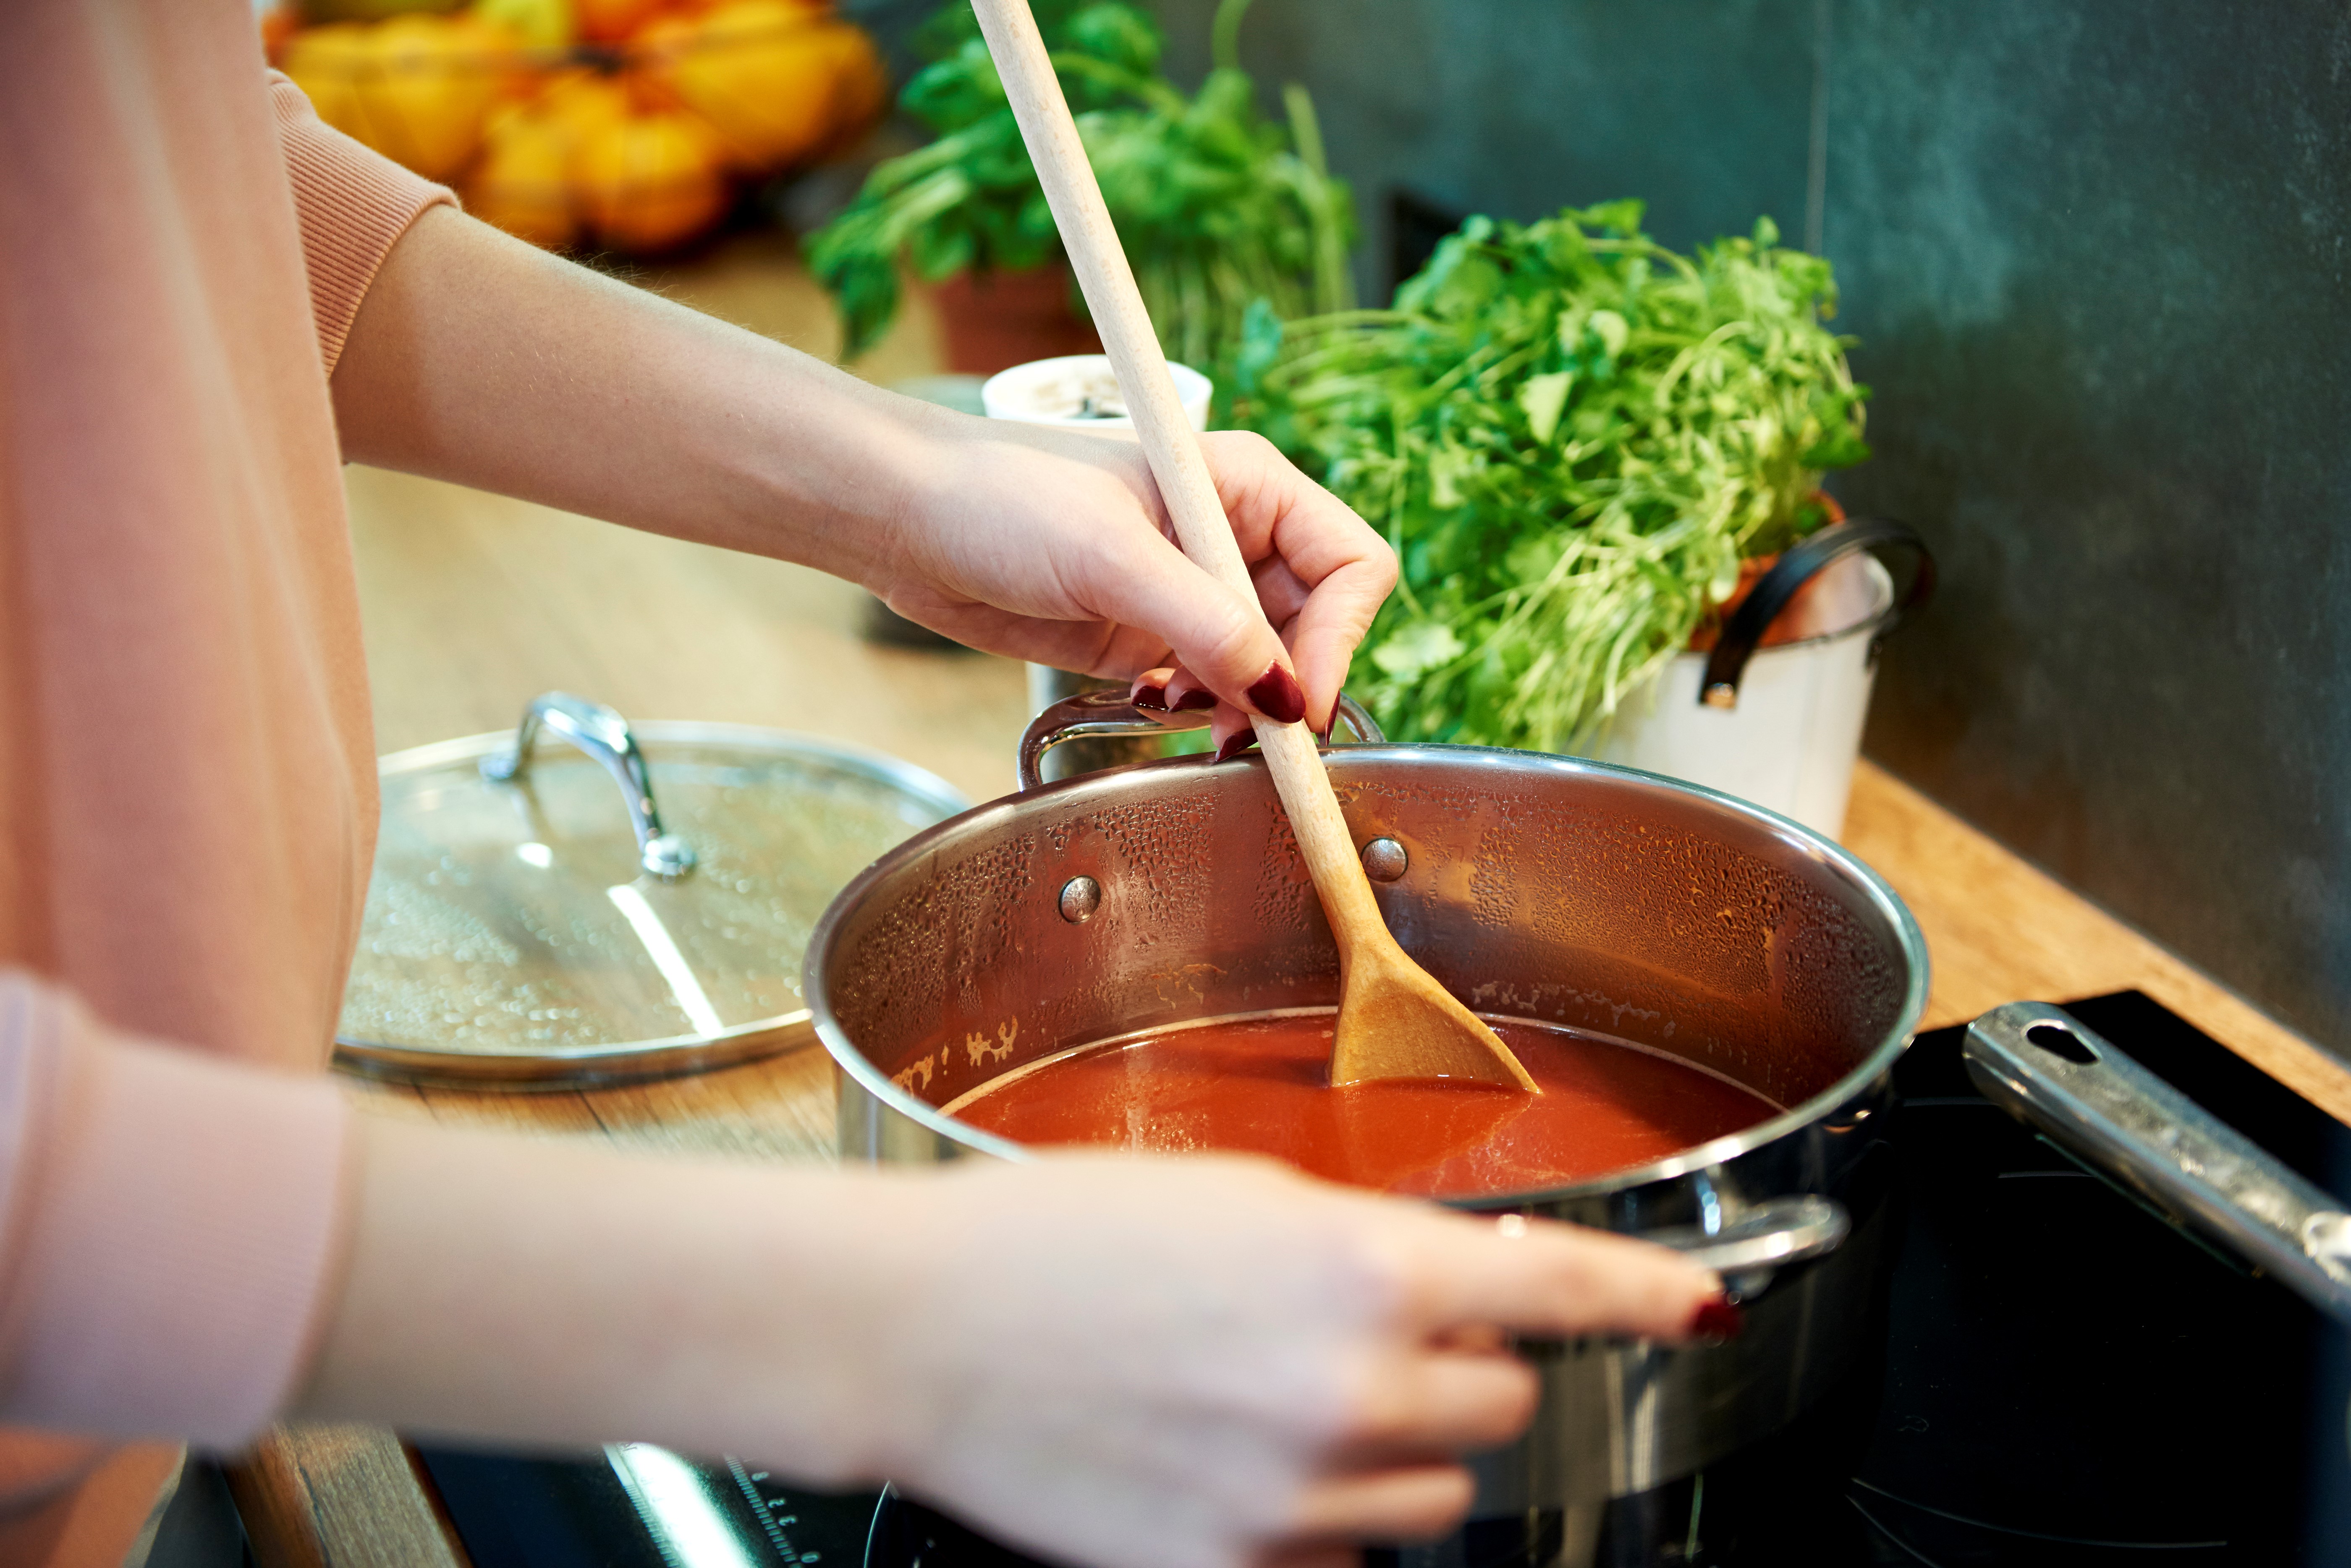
{"x":1216,"y":205}
{"x":1572,"y":436}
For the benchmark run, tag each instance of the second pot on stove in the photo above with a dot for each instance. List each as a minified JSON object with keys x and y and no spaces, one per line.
{"x":1541,"y":888}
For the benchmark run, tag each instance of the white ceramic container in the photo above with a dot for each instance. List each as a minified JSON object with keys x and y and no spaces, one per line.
{"x":1790,"y":743}
{"x":1058,"y":392}
{"x":1032,"y":394}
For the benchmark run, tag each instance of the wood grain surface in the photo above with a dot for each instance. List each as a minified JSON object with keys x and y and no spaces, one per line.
{"x":1999,"y":930}
{"x":474,"y":603}
{"x":339,"y":1497}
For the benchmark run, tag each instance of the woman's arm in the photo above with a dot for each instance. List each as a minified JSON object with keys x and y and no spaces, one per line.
{"x":1112,"y":1360}
{"x":478,"y":359}
{"x":1105,"y":1359}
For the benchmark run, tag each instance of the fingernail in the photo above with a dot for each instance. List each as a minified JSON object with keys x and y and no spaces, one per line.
{"x":1717,"y":1320}
{"x":1152,"y":696}
{"x":1197,"y":697}
{"x":1278,"y":697}
{"x":1234,"y":744}
{"x":1324,"y":739}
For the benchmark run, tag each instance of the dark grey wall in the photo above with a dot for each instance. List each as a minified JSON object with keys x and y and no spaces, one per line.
{"x":2096,"y":251}
{"x":1703,"y":108}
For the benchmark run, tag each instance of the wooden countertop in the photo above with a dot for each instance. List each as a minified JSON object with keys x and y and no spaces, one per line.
{"x":474,"y":603}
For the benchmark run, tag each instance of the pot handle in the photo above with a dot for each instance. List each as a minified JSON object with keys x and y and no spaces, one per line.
{"x":603,"y":735}
{"x":1109,"y":712}
{"x":1726,"y":665}
{"x":1772,"y":1235}
{"x":2042,"y":1067}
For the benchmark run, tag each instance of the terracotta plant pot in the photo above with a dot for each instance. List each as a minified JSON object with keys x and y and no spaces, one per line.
{"x":1002,"y":319}
{"x":1804,"y":617}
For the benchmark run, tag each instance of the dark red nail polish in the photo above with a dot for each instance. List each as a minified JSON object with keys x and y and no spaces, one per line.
{"x":1234,"y":744}
{"x":1278,"y":697}
{"x":1151,"y":697}
{"x":1194,"y":700}
{"x":1323,"y":738}
{"x":1717,"y":1320}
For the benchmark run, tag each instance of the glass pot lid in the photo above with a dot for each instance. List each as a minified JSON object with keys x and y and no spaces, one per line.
{"x":578,"y":901}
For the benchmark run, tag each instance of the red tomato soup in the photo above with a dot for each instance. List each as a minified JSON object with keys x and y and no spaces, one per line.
{"x":1259,"y":1085}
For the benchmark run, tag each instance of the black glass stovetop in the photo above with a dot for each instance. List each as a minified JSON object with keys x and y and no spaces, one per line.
{"x":2067,"y":1381}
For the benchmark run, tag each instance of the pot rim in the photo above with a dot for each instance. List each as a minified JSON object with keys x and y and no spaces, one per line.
{"x":1714,"y":1152}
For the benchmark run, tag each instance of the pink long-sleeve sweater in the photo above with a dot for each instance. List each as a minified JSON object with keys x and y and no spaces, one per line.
{"x":187,"y":789}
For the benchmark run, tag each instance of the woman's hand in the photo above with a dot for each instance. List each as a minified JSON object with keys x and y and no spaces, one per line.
{"x":1204,"y":1362}
{"x":478,"y":359}
{"x":1056,"y":547}
{"x":1121,"y":1361}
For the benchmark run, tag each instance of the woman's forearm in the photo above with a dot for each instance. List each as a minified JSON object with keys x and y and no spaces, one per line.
{"x":477,"y":359}
{"x":1134,"y":1362}
{"x":544,"y":1292}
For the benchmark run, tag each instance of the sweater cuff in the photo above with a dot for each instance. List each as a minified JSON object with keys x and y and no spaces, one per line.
{"x":174,"y":1222}
{"x":352,"y":204}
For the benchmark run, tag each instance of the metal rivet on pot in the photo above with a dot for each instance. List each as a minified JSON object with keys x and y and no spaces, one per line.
{"x":1080,"y":897}
{"x":1385,"y":859}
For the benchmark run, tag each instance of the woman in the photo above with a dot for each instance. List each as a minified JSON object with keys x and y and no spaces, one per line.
{"x":207,"y":302}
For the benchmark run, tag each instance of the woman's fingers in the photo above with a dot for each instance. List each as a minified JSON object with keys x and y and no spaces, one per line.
{"x":1148,"y":691}
{"x":1322,"y":572}
{"x":1405,"y":1503}
{"x":1540,"y":1278}
{"x":1423,"y":1405}
{"x":1178,"y":690}
{"x":1216,"y":635}
{"x":1232,"y":731}
{"x":1309,"y":1554}
{"x":1057,"y":549}
{"x":1312,"y":1359}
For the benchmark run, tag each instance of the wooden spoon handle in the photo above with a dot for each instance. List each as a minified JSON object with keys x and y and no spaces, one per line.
{"x":1168,"y":442}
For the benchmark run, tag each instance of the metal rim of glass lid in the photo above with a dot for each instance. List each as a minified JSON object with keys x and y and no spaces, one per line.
{"x":631,"y":904}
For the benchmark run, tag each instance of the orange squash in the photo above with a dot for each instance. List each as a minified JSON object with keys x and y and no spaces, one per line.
{"x":650,"y":56}
{"x":522,"y":181}
{"x":425,"y":88}
{"x":279,"y":25}
{"x":326,"y":63}
{"x":650,"y":181}
{"x":760,"y":72}
{"x":612,"y":21}
{"x":578,"y":101}
{"x":546,"y":25}
{"x":861,"y":82}
{"x":367,"y":10}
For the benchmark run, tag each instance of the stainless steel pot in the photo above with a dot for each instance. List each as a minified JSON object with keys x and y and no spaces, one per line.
{"x":1535,"y":887}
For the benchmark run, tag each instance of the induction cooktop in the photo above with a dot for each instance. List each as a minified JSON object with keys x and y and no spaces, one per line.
{"x":2068,"y":1381}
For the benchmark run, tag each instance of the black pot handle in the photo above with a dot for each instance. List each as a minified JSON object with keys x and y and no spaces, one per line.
{"x":1796,"y":567}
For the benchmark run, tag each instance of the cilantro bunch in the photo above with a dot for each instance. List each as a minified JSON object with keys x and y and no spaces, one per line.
{"x":1572,"y":436}
{"x":1216,"y":206}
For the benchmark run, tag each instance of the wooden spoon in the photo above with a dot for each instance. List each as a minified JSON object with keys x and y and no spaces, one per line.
{"x":1394,"y":1021}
